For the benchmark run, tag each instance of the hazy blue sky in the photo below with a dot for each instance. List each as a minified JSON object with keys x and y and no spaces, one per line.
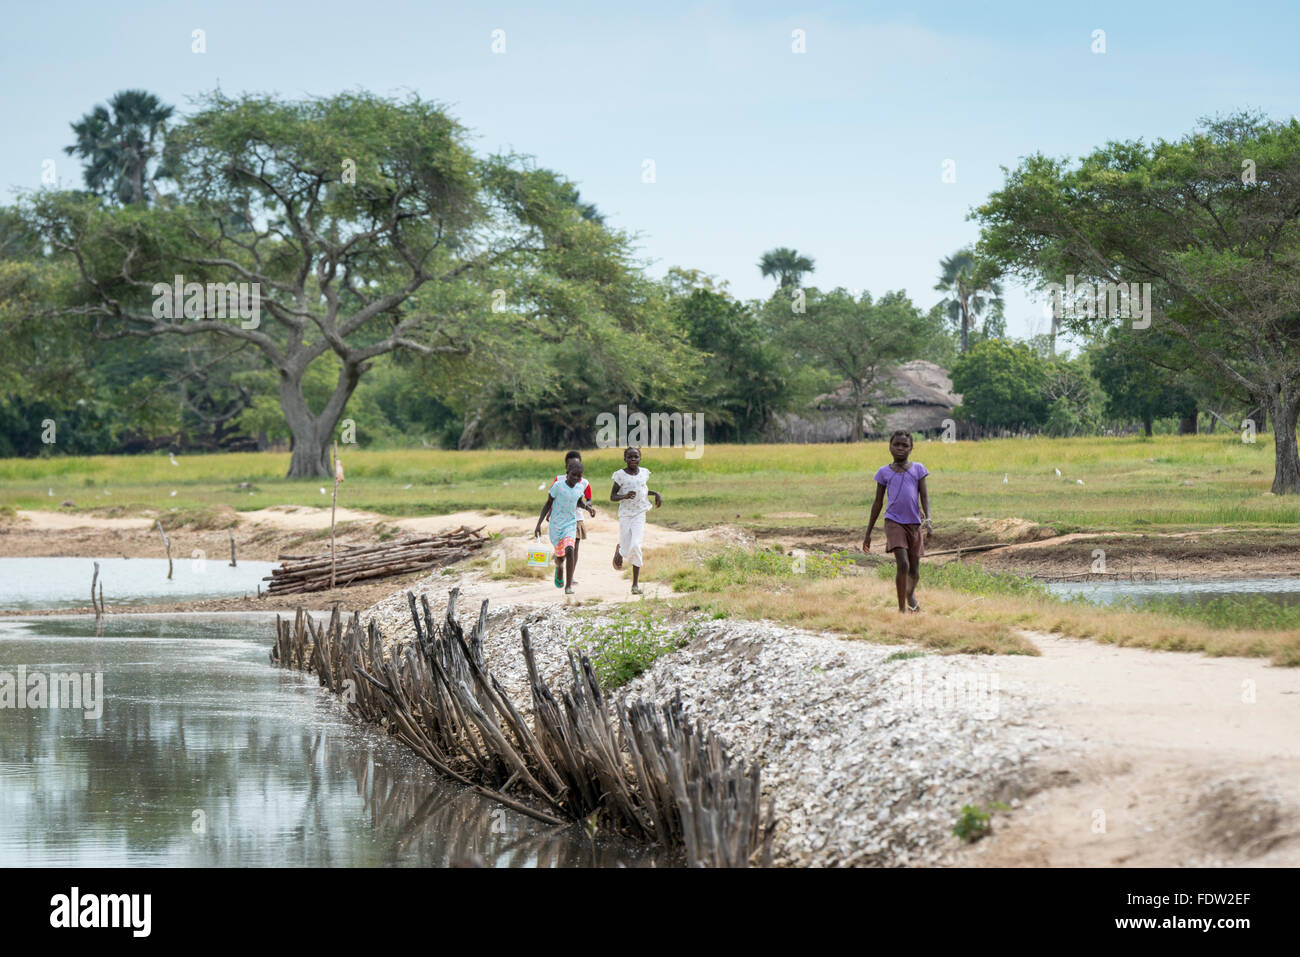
{"x":838,"y":151}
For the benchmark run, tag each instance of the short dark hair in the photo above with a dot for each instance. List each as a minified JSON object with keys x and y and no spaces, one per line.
{"x":903,"y":432}
{"x":572,"y":454}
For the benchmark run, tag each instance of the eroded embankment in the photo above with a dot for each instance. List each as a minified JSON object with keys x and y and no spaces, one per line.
{"x":643,"y":769}
{"x":868,"y":757}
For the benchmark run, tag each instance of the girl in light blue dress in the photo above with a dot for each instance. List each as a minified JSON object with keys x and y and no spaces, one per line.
{"x":562,"y":504}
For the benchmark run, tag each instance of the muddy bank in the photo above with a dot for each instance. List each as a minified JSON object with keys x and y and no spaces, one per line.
{"x":1213,"y":554}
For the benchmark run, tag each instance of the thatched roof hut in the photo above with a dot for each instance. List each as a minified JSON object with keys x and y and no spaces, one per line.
{"x":916,"y":396}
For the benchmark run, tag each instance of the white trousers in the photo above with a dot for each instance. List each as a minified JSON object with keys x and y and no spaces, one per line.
{"x":631,"y":528}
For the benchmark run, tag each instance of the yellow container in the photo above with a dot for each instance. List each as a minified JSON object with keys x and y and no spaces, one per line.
{"x":538,"y":557}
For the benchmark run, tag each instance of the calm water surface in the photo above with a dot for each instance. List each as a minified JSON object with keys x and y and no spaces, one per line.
{"x":1282,"y":590}
{"x":205,"y":754}
{"x":27,"y":584}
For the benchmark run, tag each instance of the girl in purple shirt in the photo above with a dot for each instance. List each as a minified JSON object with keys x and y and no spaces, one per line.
{"x":903,"y":483}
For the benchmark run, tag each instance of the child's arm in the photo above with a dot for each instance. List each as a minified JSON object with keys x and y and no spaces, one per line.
{"x":659,"y":499}
{"x":546,"y":510}
{"x":875,"y":514}
{"x":925,"y":505}
{"x":616,"y":496}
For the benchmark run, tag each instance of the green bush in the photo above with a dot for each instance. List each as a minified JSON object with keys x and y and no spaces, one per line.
{"x":628,"y":643}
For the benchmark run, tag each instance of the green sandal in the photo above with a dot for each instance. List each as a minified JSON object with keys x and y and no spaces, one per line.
{"x":559,"y":578}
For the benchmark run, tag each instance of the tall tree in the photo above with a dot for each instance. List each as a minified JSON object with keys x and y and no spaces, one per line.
{"x":857,"y":340}
{"x":972,"y":287}
{"x":367,"y":226}
{"x":1003,"y":385}
{"x":746,"y":379}
{"x":1135,"y":387}
{"x":119,"y":142}
{"x":787,"y":265}
{"x":1211,"y":222}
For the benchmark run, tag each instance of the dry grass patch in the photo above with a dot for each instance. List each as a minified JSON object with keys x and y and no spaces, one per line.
{"x":966,"y":610}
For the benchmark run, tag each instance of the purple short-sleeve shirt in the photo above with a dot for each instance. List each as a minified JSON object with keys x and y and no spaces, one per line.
{"x":902,"y":493}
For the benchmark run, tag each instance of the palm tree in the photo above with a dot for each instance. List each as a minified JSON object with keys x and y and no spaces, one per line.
{"x":972,"y":287}
{"x":787,"y":265}
{"x":118,"y":146}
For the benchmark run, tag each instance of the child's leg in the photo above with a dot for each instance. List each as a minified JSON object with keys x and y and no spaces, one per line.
{"x":914,"y":574}
{"x":570,"y":558}
{"x":902,"y":576}
{"x":635,"y":531}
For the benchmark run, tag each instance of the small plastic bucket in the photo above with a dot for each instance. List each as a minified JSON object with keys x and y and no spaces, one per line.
{"x":538,"y":558}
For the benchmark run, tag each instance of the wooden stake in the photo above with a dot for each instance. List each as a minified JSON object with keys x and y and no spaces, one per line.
{"x":167,"y":545}
{"x":232,"y":547}
{"x":94,"y":578}
{"x":334,"y":462}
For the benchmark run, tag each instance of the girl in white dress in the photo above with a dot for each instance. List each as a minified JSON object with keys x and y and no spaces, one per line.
{"x":632,"y":492}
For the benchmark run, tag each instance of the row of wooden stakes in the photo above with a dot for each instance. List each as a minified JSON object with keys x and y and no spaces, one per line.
{"x":645,"y":772}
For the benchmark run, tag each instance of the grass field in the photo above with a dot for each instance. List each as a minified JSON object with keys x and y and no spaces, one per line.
{"x":1166,"y":482}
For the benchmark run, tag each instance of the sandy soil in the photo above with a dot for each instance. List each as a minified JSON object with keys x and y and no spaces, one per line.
{"x":1192,"y":761}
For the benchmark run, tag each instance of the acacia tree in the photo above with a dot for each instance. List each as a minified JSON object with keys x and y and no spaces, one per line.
{"x":855,"y":340}
{"x":367,"y":226}
{"x":1212,"y":221}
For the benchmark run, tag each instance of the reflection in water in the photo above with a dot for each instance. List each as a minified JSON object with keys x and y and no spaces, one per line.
{"x":205,"y":755}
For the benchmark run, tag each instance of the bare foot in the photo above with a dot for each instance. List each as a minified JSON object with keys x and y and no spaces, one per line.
{"x":568,"y":590}
{"x":636,"y":590}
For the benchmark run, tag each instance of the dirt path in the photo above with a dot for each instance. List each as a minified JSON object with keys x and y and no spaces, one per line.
{"x":266,"y":533}
{"x":595,"y":575}
{"x":1190,"y":760}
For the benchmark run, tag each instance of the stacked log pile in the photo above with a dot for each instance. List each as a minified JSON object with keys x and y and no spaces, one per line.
{"x":646,"y":772}
{"x":353,"y":564}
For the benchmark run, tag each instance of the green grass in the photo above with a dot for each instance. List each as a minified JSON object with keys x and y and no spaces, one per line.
{"x":972,"y":824}
{"x":971,"y":579}
{"x":755,"y":568}
{"x":627,"y":643}
{"x":1129,"y":483}
{"x":1252,"y":612}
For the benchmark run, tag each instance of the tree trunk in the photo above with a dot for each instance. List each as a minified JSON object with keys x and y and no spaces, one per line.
{"x":965,"y":327}
{"x":1146,"y":427}
{"x":312,"y":432}
{"x":1187,"y":423}
{"x":1284,"y":410}
{"x":859,"y":425}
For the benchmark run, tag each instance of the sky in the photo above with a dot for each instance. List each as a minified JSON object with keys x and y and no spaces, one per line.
{"x":839,"y":151}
